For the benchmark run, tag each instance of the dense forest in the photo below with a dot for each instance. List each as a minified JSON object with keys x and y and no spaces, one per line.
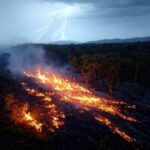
{"x":106,"y":65}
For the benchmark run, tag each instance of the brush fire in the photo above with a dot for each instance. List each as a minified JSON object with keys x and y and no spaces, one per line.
{"x":42,"y":108}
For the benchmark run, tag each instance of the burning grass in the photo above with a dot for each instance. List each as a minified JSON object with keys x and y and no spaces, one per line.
{"x":76,"y":94}
{"x":42,"y":106}
{"x":42,"y":116}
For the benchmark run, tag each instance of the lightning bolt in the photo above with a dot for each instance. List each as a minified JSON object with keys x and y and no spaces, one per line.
{"x":60,"y":32}
{"x":64,"y":27}
{"x":42,"y":31}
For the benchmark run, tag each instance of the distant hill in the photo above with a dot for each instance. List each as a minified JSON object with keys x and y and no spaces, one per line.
{"x":136,"y":39}
{"x":65,"y":42}
{"x":107,"y":41}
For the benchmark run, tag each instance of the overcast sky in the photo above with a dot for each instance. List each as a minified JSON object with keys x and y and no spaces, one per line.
{"x":45,"y":21}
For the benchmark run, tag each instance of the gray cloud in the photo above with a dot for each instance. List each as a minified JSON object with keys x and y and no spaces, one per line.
{"x":19,"y":19}
{"x":116,"y":7}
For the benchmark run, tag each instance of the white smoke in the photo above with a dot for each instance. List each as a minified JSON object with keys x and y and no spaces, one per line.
{"x":29,"y":57}
{"x":26,"y":58}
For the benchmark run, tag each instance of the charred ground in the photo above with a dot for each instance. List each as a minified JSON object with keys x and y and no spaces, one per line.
{"x":81,"y":131}
{"x":120,"y":70}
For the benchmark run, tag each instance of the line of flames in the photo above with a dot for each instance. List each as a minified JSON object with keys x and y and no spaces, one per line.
{"x":75,"y":93}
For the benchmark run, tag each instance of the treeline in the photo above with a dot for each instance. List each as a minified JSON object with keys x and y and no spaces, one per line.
{"x":112,"y":69}
{"x":107,"y":64}
{"x":62,"y":52}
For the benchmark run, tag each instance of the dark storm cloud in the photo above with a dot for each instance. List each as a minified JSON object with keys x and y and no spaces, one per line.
{"x":126,"y":8}
{"x":115,"y":8}
{"x":109,"y":3}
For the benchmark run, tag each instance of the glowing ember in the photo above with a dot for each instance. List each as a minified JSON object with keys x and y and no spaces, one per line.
{"x":27,"y":117}
{"x":42,"y":116}
{"x":55,"y":116}
{"x":114,"y":128}
{"x":75,"y":93}
{"x":20,"y":113}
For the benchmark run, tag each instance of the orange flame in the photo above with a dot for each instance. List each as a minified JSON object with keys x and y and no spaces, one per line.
{"x":56,"y":116}
{"x":20,"y":112}
{"x":114,"y":128}
{"x":27,"y":117}
{"x":75,"y":93}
